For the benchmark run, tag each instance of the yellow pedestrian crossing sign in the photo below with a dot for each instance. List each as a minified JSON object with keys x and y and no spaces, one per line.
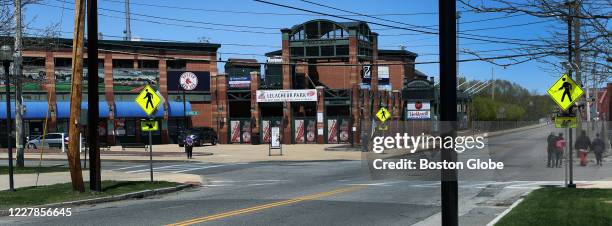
{"x":148,"y":100}
{"x":383,"y":114}
{"x":565,"y":92}
{"x":149,"y":125}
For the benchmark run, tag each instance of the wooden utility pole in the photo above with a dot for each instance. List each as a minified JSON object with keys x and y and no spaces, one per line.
{"x":18,"y":76}
{"x":75,"y":97}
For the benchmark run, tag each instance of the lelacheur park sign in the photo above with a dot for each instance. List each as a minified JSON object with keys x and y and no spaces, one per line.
{"x":287,"y":95}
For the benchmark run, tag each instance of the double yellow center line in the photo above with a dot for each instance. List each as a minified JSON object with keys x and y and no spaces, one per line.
{"x":266,"y":206}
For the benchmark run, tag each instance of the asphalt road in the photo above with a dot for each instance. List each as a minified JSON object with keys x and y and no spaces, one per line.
{"x":326,"y":193}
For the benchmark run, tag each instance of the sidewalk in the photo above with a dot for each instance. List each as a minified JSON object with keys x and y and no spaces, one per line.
{"x":26,"y":180}
{"x":221,"y":153}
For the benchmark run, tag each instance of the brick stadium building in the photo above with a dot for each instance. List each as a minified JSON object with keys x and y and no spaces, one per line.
{"x":323,"y":86}
{"x":124,"y":68}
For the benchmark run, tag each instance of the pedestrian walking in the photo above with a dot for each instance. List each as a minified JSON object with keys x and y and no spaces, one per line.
{"x":582,"y":146}
{"x":189,"y":146}
{"x":560,"y":147}
{"x":599,"y":147}
{"x":551,"y":149}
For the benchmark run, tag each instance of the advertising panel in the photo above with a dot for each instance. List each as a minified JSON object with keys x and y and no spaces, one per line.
{"x":288,"y":95}
{"x":418,"y":110}
{"x":239,"y":82}
{"x":201,"y":79}
{"x":299,"y":131}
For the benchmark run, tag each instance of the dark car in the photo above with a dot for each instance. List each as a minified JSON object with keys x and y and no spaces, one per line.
{"x":201,"y":135}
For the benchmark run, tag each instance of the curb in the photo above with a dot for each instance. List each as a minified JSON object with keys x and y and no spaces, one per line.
{"x":113,"y":198}
{"x":501,"y":215}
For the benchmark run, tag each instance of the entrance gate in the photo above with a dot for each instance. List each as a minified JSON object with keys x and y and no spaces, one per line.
{"x":337,"y":130}
{"x":305,"y":130}
{"x":266,"y":128}
{"x":240,"y":131}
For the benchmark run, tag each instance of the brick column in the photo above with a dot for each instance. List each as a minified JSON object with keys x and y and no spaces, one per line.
{"x":254,"y":106}
{"x":320,"y":111}
{"x":163,"y":89}
{"x":354,"y":78}
{"x":287,"y":83}
{"x":50,"y":73}
{"x":222,"y":108}
{"x":110,"y":96}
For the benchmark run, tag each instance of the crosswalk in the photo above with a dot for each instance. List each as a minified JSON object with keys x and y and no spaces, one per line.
{"x":468,"y":184}
{"x":175,"y":168}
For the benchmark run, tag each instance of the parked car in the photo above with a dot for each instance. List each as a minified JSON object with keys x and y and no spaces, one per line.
{"x":51,"y":140}
{"x":201,"y":135}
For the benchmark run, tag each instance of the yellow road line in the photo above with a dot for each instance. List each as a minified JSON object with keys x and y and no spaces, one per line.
{"x":266,"y":206}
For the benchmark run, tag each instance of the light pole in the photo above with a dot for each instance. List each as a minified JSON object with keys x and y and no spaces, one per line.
{"x":6,"y":56}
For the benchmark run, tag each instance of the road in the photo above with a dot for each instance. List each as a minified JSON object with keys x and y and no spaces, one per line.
{"x":326,"y":192}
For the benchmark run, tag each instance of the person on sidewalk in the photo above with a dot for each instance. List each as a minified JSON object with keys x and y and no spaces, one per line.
{"x":551,"y":149}
{"x":599,"y":147}
{"x":582,"y":146}
{"x":560,"y":147}
{"x":189,"y":146}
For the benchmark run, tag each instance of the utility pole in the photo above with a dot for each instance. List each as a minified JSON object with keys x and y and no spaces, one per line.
{"x":128,"y":31}
{"x":571,"y":108}
{"x":95,"y":179}
{"x":17,"y":75}
{"x":75,"y":97}
{"x":577,"y":70}
{"x":448,"y":107}
{"x":492,"y":83}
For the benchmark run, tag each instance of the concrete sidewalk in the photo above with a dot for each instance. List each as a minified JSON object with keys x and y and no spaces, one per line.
{"x":222,"y":153}
{"x":26,"y":180}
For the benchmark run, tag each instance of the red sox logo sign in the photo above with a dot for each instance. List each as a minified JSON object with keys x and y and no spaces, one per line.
{"x":188,"y":81}
{"x":418,"y":105}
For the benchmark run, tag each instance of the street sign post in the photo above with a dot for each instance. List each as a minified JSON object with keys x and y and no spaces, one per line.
{"x":149,"y":100}
{"x":565,"y":92}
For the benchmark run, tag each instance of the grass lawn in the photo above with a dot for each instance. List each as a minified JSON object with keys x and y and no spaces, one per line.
{"x":562,"y":206}
{"x":30,"y":196}
{"x":32,"y":169}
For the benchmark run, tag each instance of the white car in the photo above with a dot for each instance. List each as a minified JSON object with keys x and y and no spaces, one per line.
{"x":51,"y":140}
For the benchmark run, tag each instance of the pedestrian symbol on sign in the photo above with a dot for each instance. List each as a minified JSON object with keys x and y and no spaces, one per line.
{"x":565,"y":92}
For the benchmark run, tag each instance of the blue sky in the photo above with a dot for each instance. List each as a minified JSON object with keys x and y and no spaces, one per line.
{"x":111,"y":23}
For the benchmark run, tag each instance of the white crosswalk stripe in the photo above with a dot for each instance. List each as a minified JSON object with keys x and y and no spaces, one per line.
{"x":177,"y":168}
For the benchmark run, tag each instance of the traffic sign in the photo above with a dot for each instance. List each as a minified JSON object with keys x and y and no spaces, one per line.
{"x":565,"y":92}
{"x":192,"y":113}
{"x":383,"y":114}
{"x":149,"y":125}
{"x":148,"y":100}
{"x":565,"y":122}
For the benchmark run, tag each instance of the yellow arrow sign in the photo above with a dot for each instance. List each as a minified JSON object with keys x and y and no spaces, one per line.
{"x":149,"y":125}
{"x":565,"y":92}
{"x":565,"y":122}
{"x":383,"y":114}
{"x":148,"y":100}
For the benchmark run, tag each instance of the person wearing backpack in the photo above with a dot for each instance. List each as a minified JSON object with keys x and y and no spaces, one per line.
{"x":559,"y":146}
{"x":598,"y":146}
{"x":551,"y":149}
{"x":582,"y":146}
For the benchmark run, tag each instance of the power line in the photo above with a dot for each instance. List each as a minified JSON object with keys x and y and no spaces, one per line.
{"x":259,"y":13}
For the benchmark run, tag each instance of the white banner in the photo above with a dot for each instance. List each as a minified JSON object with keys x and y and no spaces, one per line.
{"x":287,"y":95}
{"x":418,"y":106}
{"x":418,"y":114}
{"x":275,"y":139}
